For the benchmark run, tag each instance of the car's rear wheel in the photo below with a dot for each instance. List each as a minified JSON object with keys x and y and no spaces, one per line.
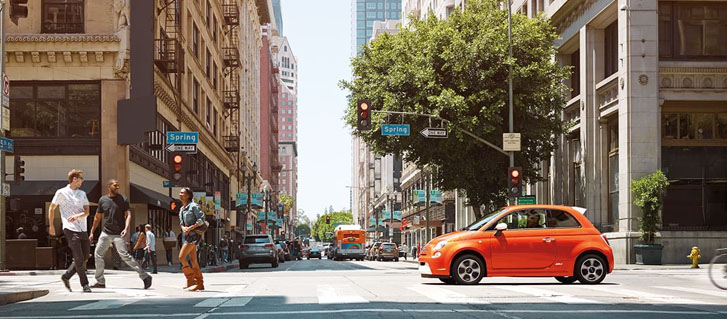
{"x":448,"y":281}
{"x":468,"y":270}
{"x":566,"y":280}
{"x":590,"y":269}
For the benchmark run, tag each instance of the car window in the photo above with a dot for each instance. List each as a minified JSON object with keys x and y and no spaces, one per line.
{"x":559,"y":218}
{"x":257,"y":240}
{"x":525,"y":219}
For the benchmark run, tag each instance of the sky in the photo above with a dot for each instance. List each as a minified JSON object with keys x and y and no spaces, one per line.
{"x":319,"y":35}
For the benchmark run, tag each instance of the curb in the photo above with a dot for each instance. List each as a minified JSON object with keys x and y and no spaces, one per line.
{"x":13,"y":297}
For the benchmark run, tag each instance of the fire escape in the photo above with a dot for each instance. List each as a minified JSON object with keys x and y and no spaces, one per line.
{"x":231,"y":89}
{"x":168,"y":55}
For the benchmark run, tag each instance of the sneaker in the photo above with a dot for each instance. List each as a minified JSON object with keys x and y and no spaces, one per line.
{"x":97,"y":285}
{"x":86,"y":288}
{"x":147,"y":282}
{"x":66,"y":283}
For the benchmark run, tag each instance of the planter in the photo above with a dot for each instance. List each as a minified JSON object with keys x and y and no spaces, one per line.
{"x":648,"y":254}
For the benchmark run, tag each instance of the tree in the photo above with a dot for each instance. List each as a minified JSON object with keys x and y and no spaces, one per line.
{"x":457,"y":69}
{"x":302,"y":230}
{"x":648,"y":195}
{"x":287,"y":201}
{"x":320,"y":228}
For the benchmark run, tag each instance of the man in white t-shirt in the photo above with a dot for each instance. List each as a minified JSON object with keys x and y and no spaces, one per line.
{"x":73,"y":205}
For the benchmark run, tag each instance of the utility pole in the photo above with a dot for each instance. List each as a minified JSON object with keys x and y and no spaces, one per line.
{"x":3,"y":220}
{"x":427,"y":179}
{"x":509,"y":77}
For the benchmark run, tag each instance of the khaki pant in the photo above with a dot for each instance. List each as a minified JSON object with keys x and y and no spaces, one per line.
{"x":104,"y":241}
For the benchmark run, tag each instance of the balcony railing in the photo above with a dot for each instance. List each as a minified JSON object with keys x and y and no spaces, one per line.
{"x":165,"y":55}
{"x":231,"y":143}
{"x":231,"y":13}
{"x":231,"y":99}
{"x":231,"y":57}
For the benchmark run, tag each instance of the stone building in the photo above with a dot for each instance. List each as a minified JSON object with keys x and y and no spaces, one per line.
{"x":70,"y":63}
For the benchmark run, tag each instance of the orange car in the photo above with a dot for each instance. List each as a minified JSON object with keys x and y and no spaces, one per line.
{"x":521,"y":241}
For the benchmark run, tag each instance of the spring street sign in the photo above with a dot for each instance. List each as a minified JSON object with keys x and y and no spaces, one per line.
{"x":174,"y":137}
{"x":395,"y":129}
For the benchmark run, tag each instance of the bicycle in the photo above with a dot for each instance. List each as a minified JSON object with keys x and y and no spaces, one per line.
{"x":718,"y":269}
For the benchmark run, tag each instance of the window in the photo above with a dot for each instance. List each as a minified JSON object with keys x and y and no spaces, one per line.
{"x":195,"y":97}
{"x":214,"y":123}
{"x":611,"y":50}
{"x":694,"y":126}
{"x":575,"y":76}
{"x":214,"y":29}
{"x":207,"y":66}
{"x":62,"y":16}
{"x":208,"y":114}
{"x":207,"y":13}
{"x":195,"y":41}
{"x":214,"y":75}
{"x":525,"y":219}
{"x":55,"y":110}
{"x":692,"y":30}
{"x":559,"y":218}
{"x":613,"y":181}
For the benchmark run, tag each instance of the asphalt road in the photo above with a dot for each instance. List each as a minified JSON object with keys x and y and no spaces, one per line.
{"x":370,"y":289}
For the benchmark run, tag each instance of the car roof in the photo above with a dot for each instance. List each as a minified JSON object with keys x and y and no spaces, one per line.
{"x":578,"y":212}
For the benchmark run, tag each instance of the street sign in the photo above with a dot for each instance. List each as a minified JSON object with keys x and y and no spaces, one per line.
{"x":174,"y":137}
{"x":5,"y":118}
{"x":6,"y":85}
{"x":168,"y":184}
{"x":395,"y":129}
{"x":434,"y":132}
{"x":511,"y":142}
{"x":7,"y":145}
{"x":336,"y":224}
{"x":6,"y":189}
{"x":187,"y":148}
{"x":526,"y":200}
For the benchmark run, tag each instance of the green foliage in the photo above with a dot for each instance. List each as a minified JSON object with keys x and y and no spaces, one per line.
{"x":320,"y":227}
{"x":458,"y":69}
{"x":302,"y":230}
{"x":288,"y":201}
{"x":648,"y":194}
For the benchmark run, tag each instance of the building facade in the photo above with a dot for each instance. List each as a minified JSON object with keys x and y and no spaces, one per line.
{"x":70,"y":68}
{"x":363,"y":15}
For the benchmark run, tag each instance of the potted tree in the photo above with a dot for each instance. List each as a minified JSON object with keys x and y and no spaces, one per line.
{"x":648,"y":195}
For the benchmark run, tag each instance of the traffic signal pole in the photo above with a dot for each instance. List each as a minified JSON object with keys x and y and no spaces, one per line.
{"x":509,"y":77}
{"x":3,"y":220}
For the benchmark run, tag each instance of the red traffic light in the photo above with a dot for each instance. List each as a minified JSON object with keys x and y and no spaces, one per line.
{"x":364,"y":106}
{"x":177,"y":159}
{"x":515,"y":173}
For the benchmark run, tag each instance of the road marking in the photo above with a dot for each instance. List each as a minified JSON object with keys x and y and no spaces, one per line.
{"x":715,"y":293}
{"x":549,"y":295}
{"x":211,"y":302}
{"x":327,"y":294}
{"x":237,"y":302}
{"x":445,"y":296}
{"x":105,"y":304}
{"x":645,"y":295}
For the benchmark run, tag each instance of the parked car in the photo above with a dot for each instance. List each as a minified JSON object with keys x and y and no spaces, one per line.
{"x":314,"y":253}
{"x":387,"y":251}
{"x":522,"y":241}
{"x":371,"y":253}
{"x":258,"y":249}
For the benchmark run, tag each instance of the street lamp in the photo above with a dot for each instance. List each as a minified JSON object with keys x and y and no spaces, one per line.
{"x":249,"y":179}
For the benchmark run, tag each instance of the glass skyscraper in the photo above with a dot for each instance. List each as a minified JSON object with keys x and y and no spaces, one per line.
{"x":363,"y":15}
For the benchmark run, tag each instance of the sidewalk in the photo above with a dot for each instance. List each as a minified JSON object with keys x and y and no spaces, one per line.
{"x":8,"y":296}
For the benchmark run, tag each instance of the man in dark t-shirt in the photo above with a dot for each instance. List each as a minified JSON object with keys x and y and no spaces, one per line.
{"x":116,"y":213}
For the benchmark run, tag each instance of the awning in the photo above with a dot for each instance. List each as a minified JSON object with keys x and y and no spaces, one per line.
{"x":143,"y":195}
{"x":381,"y":228}
{"x":49,"y":188}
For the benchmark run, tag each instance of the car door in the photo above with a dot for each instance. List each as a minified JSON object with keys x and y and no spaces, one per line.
{"x":526,"y":244}
{"x":568,"y":234}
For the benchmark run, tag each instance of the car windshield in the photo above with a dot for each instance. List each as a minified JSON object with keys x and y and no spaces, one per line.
{"x":484,"y":220}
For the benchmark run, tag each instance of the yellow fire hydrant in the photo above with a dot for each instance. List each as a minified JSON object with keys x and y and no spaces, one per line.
{"x":694,"y":256}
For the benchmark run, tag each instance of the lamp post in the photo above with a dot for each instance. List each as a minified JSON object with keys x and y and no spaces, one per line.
{"x":248,"y":179}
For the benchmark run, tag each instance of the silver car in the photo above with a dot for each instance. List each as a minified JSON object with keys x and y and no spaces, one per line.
{"x":258,"y":249}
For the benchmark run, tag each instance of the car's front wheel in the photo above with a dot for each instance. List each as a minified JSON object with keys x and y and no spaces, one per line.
{"x":590,"y":269}
{"x":468,"y":270}
{"x":566,"y":280}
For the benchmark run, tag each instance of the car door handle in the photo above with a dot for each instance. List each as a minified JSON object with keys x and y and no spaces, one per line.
{"x":548,"y":239}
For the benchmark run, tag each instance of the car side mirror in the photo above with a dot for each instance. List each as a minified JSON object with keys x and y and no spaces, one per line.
{"x":499,"y":228}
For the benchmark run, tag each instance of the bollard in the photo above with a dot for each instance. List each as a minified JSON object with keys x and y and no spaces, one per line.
{"x":694,"y":256}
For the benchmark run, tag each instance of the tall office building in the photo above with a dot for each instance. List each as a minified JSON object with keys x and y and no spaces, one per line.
{"x":363,"y":15}
{"x":278,"y":15}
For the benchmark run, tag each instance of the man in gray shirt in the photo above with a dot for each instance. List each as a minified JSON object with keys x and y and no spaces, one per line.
{"x":114,"y":209}
{"x":151,"y":251}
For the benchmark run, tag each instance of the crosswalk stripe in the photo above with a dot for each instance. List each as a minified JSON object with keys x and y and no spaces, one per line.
{"x":549,"y":295}
{"x":211,"y":302}
{"x":644,"y":295}
{"x":327,"y":294}
{"x":715,"y":293}
{"x":237,"y":302}
{"x":445,"y":296}
{"x":105,"y":304}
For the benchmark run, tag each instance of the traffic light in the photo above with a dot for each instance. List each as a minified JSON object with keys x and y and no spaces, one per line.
{"x":178,"y":165}
{"x":514,"y":182}
{"x":18,"y":10}
{"x":175,"y":206}
{"x":364,"y":115}
{"x":328,"y":219}
{"x":18,"y":170}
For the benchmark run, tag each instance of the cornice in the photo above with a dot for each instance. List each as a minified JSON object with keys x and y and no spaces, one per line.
{"x":61,"y":38}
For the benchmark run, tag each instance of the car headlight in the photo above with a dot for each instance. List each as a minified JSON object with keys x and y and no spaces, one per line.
{"x":440,"y":245}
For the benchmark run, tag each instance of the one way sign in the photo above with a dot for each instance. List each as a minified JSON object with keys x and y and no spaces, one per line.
{"x":187,"y":148}
{"x":434,"y":132}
